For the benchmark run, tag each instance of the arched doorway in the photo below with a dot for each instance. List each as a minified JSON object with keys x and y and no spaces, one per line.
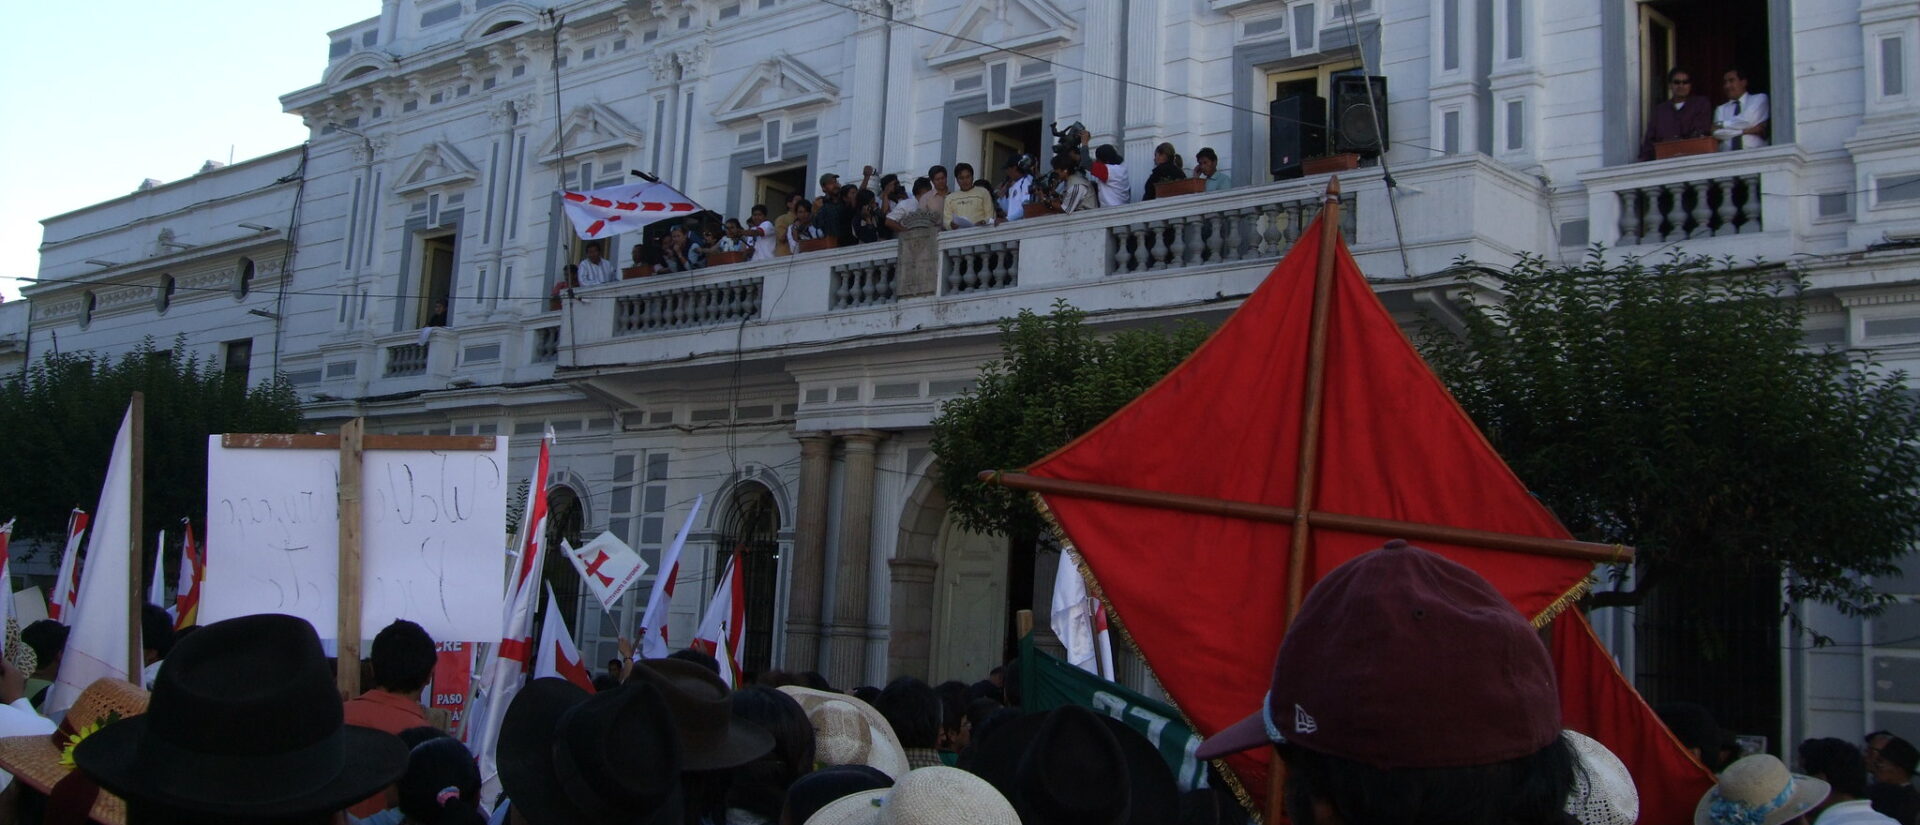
{"x":752,"y":525}
{"x":565,"y":520}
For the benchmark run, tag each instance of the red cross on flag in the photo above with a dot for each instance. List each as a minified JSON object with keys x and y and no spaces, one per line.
{"x":557,"y":657}
{"x":607,"y":565}
{"x":623,"y":208}
{"x":722,"y":633}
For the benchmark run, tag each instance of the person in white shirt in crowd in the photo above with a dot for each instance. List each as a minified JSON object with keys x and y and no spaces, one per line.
{"x":759,"y":233}
{"x":1206,"y":166}
{"x":595,"y":269}
{"x":17,"y":714}
{"x":904,"y":206}
{"x":1841,"y":765}
{"x":1018,"y":188}
{"x":1109,"y":172}
{"x":802,"y":228}
{"x":735,"y":239}
{"x":1744,"y":110}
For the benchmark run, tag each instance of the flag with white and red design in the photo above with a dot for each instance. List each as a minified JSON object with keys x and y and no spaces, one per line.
{"x":722,"y":633}
{"x":504,"y":670}
{"x":6,"y":570}
{"x":557,"y":657}
{"x":66,"y":583}
{"x":623,"y":208}
{"x":653,"y":623}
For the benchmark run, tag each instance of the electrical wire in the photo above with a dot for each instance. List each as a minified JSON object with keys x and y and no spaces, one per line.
{"x":1380,"y":134}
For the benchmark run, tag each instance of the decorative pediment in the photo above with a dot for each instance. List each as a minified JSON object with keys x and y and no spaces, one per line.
{"x":779,"y":83}
{"x":588,"y":129}
{"x":986,"y":27}
{"x":437,"y":165}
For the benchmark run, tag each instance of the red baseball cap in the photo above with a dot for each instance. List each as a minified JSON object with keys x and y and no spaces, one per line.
{"x":1401,"y":658}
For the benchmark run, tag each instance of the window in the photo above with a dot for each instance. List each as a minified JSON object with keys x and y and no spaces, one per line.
{"x":164,"y":298}
{"x":1305,"y":28}
{"x":500,"y":27}
{"x":1450,"y":132}
{"x":1516,"y":125}
{"x":1316,"y":85}
{"x":1516,"y":33}
{"x":435,"y":284}
{"x":237,"y":357}
{"x":1706,"y":39}
{"x":87,"y":304}
{"x":244,"y":283}
{"x":1893,"y":75}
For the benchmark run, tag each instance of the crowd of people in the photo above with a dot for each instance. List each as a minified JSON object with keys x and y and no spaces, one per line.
{"x":877,"y":208}
{"x":1405,"y":690}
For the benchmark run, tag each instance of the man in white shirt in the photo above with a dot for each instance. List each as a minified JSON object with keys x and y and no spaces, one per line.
{"x":1018,"y":189}
{"x":1744,"y":110}
{"x":1840,"y":764}
{"x":595,"y":269}
{"x":760,"y":234}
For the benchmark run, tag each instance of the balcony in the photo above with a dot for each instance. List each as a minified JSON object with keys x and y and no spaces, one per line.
{"x":1138,"y":260}
{"x":1739,"y":204}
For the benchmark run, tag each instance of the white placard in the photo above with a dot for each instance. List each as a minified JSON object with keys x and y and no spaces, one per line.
{"x":607,"y":565}
{"x":431,"y":538}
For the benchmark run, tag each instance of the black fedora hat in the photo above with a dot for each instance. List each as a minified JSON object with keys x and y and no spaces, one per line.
{"x":1071,"y":765}
{"x":244,"y":722}
{"x":567,"y":757}
{"x":711,"y":737}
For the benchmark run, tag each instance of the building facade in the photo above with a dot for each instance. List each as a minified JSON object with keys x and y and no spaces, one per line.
{"x":793,"y":397}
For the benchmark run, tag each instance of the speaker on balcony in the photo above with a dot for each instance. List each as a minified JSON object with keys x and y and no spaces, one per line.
{"x":1296,"y":130}
{"x":1359,"y":120}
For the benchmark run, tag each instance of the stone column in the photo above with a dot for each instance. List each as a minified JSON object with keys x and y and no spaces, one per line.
{"x":809,"y":552}
{"x":847,"y":640}
{"x":918,"y":267}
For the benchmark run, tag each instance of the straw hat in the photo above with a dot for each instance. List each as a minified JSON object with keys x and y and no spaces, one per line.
{"x":1758,"y":790}
{"x":929,"y":796}
{"x":1603,"y":791}
{"x":36,"y":760}
{"x":847,"y":731}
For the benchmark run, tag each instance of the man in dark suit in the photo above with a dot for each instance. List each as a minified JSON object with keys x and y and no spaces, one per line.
{"x":1684,"y":115}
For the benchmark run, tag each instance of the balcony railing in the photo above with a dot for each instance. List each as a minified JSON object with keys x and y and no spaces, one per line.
{"x":1703,"y":208}
{"x":1243,"y":233}
{"x":984,"y":266}
{"x":865,"y":283}
{"x":406,"y":360}
{"x":698,"y":305}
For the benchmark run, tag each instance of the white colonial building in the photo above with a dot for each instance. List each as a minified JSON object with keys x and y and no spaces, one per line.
{"x":795,"y":395}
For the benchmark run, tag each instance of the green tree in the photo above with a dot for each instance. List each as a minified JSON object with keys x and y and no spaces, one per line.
{"x":1056,"y":378}
{"x":1676,"y":407}
{"x":60,"y":416}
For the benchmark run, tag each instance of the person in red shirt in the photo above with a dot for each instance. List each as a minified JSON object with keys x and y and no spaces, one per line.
{"x":403,"y":660}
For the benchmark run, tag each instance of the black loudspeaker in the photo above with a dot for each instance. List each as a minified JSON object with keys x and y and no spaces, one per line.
{"x":1359,"y":121}
{"x":1296,"y":130}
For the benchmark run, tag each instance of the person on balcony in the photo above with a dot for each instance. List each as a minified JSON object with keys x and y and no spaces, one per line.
{"x":970,"y":206}
{"x":905,"y":206}
{"x":780,"y":225}
{"x":802,"y":228}
{"x":1018,"y":188}
{"x":1074,"y":191}
{"x":735,"y":240}
{"x":594,"y":269}
{"x":762,"y":234}
{"x":1109,"y":172}
{"x":1167,"y":167}
{"x":830,"y":211}
{"x":1206,"y":166}
{"x":1682,"y":115}
{"x":935,"y":199}
{"x":1745,"y":111}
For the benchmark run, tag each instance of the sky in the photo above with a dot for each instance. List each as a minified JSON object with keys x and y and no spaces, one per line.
{"x":99,"y":96}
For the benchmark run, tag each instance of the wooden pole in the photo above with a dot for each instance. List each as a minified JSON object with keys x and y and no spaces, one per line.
{"x":136,"y":480}
{"x":1562,"y":548}
{"x":347,"y":672}
{"x":1308,"y":470}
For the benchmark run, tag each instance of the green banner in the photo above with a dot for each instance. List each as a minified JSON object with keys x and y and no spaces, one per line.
{"x":1047,"y":682}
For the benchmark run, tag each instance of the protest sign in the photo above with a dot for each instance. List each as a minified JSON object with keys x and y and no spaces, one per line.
{"x":430,"y":522}
{"x":452,"y":681}
{"x":607,"y":565}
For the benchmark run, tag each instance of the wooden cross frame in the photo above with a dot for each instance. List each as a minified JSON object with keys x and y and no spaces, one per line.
{"x":352,"y":441}
{"x":1302,"y":515}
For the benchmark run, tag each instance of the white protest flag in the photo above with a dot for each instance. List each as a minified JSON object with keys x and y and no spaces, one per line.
{"x":556,"y":656}
{"x":1071,"y":614}
{"x":157,"y":591}
{"x":607,"y":565}
{"x":6,"y":571}
{"x":1103,"y":639}
{"x":66,"y":583}
{"x":505,"y":669}
{"x":653,"y":623}
{"x":722,"y":631}
{"x":623,"y":208}
{"x":99,"y":644}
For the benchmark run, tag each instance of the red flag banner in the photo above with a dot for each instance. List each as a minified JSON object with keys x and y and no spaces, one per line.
{"x":452,"y":680}
{"x":1226,"y":425}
